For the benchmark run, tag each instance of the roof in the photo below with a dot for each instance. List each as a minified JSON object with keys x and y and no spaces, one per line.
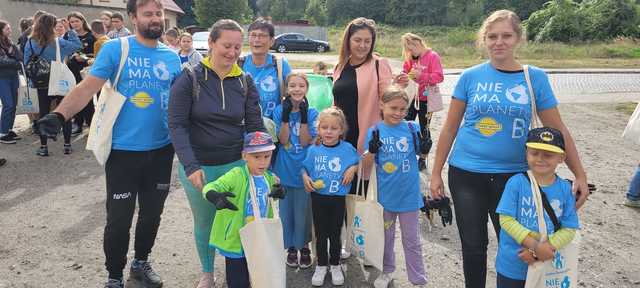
{"x":172,"y":6}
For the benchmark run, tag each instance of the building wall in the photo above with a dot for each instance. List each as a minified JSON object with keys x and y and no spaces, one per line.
{"x":12,"y":11}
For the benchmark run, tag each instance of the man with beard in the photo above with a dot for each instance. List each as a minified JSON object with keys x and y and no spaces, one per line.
{"x":139,"y":165}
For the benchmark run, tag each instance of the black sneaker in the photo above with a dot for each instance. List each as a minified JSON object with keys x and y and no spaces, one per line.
{"x":43,"y":151}
{"x":3,"y":161}
{"x":67,"y":149}
{"x":7,"y":139}
{"x":142,"y":271}
{"x":114,"y":283}
{"x":14,"y":135}
{"x":422,"y":164}
{"x":305,"y":258}
{"x":292,"y":257}
{"x":76,"y":130}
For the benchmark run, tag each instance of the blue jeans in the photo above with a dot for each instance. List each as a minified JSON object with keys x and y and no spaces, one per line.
{"x":295,"y":214}
{"x":9,"y":98}
{"x":634,"y":186}
{"x":506,"y":282}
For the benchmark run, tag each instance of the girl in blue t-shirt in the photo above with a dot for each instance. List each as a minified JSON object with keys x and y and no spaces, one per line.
{"x":328,"y":171}
{"x":393,"y":144}
{"x":296,"y":128}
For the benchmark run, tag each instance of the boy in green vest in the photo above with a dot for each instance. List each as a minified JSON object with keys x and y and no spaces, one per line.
{"x":230,"y":194}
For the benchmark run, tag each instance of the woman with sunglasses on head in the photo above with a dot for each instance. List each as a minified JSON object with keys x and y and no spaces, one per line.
{"x":10,"y":63}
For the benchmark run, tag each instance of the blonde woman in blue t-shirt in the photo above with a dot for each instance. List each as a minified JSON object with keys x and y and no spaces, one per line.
{"x":493,"y":100}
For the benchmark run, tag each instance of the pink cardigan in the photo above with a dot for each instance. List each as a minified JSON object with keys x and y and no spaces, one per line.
{"x":431,"y":74}
{"x":369,"y":94}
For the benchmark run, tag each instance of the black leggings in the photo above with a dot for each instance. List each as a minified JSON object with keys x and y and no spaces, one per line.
{"x":144,"y":175}
{"x":424,"y":117}
{"x":475,"y":198}
{"x":237,"y":272}
{"x":44,"y":104}
{"x":328,"y":216}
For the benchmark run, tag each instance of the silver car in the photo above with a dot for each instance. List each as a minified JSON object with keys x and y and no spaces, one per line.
{"x":200,"y":42}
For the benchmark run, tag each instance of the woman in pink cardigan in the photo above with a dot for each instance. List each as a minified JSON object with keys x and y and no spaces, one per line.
{"x":360,"y":78}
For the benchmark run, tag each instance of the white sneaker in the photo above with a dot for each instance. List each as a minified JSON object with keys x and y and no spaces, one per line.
{"x":337,"y":278}
{"x":344,"y":254}
{"x":318,"y":276}
{"x":383,"y":280}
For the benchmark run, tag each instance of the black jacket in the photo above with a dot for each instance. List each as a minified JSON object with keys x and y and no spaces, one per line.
{"x":10,"y":62}
{"x":208,"y":129}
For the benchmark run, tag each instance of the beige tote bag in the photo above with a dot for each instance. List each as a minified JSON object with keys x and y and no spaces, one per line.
{"x":107,"y":110}
{"x":61,"y":79}
{"x":562,"y":270}
{"x":263,"y":243}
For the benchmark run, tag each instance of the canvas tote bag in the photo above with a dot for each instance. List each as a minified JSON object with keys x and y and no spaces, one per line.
{"x":367,"y":224}
{"x":27,"y":96}
{"x":562,"y":270}
{"x":107,"y":110}
{"x":632,"y":131}
{"x":61,"y":79}
{"x":263,"y":243}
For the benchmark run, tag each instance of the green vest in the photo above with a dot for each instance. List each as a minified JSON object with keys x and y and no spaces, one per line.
{"x":225,"y":232}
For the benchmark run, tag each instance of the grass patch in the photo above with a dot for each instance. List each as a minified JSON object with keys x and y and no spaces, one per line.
{"x":299,"y":64}
{"x":626,"y":107}
{"x":457,"y":47}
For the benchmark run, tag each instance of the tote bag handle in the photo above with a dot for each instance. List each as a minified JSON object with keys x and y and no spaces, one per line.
{"x":535,"y":120}
{"x":254,"y":202}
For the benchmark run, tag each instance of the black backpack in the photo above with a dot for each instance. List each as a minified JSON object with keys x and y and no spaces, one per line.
{"x":38,"y":69}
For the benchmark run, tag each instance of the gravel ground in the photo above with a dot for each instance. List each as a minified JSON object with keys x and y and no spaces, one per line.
{"x":52,"y":214}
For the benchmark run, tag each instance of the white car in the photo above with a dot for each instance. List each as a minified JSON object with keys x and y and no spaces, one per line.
{"x":200,"y":42}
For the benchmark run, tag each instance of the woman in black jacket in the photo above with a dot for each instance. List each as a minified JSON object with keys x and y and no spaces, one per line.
{"x":79,"y":61}
{"x":210,"y":109}
{"x":10,"y":59}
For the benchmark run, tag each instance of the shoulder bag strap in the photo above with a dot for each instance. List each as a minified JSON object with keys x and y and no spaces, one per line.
{"x":124,"y":47}
{"x":278,"y":63}
{"x":547,"y":206}
{"x":58,"y":56}
{"x":535,"y":121}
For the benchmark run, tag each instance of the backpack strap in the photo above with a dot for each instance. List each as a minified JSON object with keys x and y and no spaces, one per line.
{"x":413,"y":136}
{"x":241,"y":61}
{"x":195,"y":84}
{"x":244,"y":84}
{"x":547,"y":206}
{"x":278,"y":64}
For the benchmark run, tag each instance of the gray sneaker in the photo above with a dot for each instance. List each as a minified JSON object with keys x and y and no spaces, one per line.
{"x":142,"y":272}
{"x":632,"y":203}
{"x":114,"y":283}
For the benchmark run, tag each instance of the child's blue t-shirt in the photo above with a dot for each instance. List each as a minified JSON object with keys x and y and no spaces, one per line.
{"x":262,"y":195}
{"x":145,"y":81}
{"x":326,"y":166}
{"x":397,"y":167}
{"x":517,"y":202}
{"x":288,"y":165}
{"x":266,"y":80}
{"x":492,"y":136}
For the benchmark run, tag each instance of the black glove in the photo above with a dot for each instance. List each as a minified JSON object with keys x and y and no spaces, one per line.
{"x":375,"y":143}
{"x":277,"y":191}
{"x":49,"y":125}
{"x":287,"y":106}
{"x":220,"y":200}
{"x":443,"y":206}
{"x":304,"y":111}
{"x":425,"y":142}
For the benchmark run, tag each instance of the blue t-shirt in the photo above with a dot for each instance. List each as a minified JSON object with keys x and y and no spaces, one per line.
{"x":288,"y":165}
{"x":326,"y":166}
{"x":266,"y":79}
{"x":145,"y":80}
{"x":262,"y":193}
{"x":492,"y":136}
{"x":397,"y":167}
{"x":517,"y":202}
{"x":184,"y":59}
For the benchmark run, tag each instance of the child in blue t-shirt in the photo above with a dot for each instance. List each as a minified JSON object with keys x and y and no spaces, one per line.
{"x":295,"y":127}
{"x":328,"y":171}
{"x":393,"y":145}
{"x":520,"y":243}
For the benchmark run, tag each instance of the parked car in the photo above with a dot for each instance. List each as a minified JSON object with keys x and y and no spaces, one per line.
{"x":201,"y":42}
{"x":298,"y":42}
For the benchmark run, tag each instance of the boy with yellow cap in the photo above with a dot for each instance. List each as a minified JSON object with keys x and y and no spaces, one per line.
{"x":519,"y":241}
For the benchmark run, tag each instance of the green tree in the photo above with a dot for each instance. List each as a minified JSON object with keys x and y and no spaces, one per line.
{"x":189,"y":18}
{"x":316,"y":12}
{"x":209,"y":11}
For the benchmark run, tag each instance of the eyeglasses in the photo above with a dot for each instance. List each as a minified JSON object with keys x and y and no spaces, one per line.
{"x":361,"y":21}
{"x":258,"y":35}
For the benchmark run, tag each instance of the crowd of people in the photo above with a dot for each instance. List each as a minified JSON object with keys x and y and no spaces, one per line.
{"x":214,"y":111}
